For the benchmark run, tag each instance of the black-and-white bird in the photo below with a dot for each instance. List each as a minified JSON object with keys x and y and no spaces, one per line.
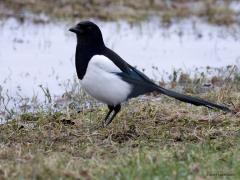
{"x":108,"y":78}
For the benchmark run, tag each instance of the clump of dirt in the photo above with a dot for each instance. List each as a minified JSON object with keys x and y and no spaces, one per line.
{"x":121,"y":137}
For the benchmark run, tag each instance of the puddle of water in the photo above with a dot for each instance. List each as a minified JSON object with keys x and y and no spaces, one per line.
{"x":34,"y":54}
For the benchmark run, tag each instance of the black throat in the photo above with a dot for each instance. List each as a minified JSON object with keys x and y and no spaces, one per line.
{"x":83,"y":55}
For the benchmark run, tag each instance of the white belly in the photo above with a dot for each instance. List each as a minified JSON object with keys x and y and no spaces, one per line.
{"x":101,"y":83}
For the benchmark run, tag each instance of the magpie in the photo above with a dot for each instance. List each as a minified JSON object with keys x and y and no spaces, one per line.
{"x":104,"y":75}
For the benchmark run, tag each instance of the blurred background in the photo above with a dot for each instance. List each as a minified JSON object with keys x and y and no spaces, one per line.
{"x":167,"y":39}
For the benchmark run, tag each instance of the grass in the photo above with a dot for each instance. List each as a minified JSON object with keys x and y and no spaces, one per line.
{"x":157,"y":138}
{"x":151,"y":138}
{"x":214,"y":11}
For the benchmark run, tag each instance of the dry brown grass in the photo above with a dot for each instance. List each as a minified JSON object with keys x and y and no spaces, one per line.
{"x":214,"y":11}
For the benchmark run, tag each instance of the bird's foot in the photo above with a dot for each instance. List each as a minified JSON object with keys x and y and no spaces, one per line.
{"x":96,"y":127}
{"x":104,"y":124}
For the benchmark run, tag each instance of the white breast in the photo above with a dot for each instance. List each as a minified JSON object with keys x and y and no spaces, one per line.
{"x":101,"y":82}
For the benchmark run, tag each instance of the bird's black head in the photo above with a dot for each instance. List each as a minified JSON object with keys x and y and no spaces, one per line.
{"x":88,"y":34}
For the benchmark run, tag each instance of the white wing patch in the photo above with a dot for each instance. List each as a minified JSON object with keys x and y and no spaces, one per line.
{"x":101,"y":82}
{"x":104,"y":63}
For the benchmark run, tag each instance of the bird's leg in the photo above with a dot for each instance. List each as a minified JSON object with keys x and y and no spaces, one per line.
{"x":116,"y":109}
{"x":111,"y":108}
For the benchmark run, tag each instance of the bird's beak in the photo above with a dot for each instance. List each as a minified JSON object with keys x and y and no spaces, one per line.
{"x":75,"y":29}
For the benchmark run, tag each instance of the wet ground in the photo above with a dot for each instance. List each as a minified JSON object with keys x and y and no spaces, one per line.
{"x":43,"y":54}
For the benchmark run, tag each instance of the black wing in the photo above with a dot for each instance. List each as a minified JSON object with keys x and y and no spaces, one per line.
{"x":142,"y":84}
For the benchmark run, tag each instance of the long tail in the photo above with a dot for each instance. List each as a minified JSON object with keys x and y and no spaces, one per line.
{"x":193,"y":100}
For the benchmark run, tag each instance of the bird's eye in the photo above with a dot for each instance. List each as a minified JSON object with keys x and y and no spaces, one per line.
{"x":89,"y":27}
